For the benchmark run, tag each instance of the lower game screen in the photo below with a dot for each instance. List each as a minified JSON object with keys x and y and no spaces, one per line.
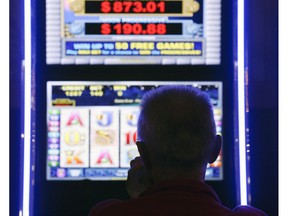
{"x":92,"y":127}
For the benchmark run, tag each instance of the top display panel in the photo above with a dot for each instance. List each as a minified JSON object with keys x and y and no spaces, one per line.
{"x":133,"y":32}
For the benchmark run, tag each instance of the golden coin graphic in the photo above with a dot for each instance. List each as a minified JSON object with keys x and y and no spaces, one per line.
{"x":76,"y":5}
{"x":195,"y":6}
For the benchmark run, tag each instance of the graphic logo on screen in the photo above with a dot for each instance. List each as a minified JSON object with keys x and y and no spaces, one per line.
{"x":74,"y":120}
{"x":104,"y":158}
{"x":104,"y":118}
{"x":132,"y":118}
{"x":130,"y":137}
{"x":104,"y":137}
{"x":74,"y":138}
{"x":73,"y":157}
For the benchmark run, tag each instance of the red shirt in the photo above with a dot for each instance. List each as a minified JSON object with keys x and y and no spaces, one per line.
{"x":177,"y":198}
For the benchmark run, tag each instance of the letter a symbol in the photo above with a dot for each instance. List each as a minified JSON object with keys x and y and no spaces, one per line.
{"x":74,"y":120}
{"x":104,"y":158}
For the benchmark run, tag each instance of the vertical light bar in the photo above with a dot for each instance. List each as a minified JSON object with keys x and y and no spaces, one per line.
{"x":4,"y":87}
{"x":241,"y":104}
{"x":27,"y":109}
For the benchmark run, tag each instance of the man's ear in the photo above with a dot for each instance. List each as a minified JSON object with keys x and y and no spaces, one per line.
{"x":144,"y":154}
{"x":216,"y":148}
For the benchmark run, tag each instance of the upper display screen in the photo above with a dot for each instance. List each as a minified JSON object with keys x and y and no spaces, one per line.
{"x":133,"y":32}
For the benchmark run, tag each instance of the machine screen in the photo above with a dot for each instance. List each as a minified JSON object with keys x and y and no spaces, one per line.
{"x":133,"y":32}
{"x":92,"y":127}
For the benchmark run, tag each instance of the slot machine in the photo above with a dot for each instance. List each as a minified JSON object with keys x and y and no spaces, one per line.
{"x":91,"y":62}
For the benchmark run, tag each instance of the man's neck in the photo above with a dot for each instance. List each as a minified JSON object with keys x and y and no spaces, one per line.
{"x":159,"y":176}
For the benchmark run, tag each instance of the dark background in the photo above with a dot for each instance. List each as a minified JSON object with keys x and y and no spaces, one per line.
{"x":263,"y":99}
{"x":262,"y":34}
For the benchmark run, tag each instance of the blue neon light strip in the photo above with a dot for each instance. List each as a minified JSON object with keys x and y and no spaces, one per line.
{"x":241,"y":104}
{"x":27,"y":109}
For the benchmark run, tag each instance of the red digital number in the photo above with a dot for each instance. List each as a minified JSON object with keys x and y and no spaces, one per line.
{"x":156,"y":28}
{"x":151,"y":29}
{"x":161,"y":6}
{"x":135,"y":28}
{"x":151,"y":7}
{"x":105,"y":7}
{"x":132,"y":6}
{"x":128,"y":28}
{"x":137,"y":7}
{"x":161,"y":28}
{"x":118,"y":7}
{"x":127,"y":6}
{"x":105,"y":29}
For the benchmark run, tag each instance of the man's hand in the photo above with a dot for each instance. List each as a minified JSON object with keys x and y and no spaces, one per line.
{"x":139,"y":179}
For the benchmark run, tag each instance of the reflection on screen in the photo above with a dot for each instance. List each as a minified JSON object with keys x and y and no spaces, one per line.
{"x":92,"y":127}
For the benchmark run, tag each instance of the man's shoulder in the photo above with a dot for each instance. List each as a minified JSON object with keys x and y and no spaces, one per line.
{"x":116,"y":207}
{"x":247,"y":211}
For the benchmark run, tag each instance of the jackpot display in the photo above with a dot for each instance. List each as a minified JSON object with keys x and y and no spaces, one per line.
{"x":133,"y":32}
{"x":92,"y":127}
